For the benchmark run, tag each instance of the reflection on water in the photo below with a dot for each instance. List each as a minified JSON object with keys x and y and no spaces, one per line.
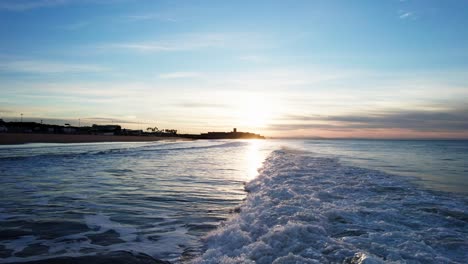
{"x":160,"y":198}
{"x":254,"y":158}
{"x":155,"y":198}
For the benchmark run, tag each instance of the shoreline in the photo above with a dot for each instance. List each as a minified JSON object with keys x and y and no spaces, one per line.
{"x":18,"y":138}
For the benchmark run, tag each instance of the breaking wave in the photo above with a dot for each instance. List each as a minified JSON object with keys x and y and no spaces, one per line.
{"x":71,"y":150}
{"x":308,"y":209}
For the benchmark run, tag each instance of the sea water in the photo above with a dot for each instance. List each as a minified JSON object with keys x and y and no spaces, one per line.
{"x":289,"y":201}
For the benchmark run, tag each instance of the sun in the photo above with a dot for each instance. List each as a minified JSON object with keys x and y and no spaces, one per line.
{"x":255,"y":112}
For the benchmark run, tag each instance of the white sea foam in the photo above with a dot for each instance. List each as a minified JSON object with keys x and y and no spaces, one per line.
{"x":20,"y":243}
{"x":160,"y":199}
{"x":103,"y":224}
{"x":306,"y":209}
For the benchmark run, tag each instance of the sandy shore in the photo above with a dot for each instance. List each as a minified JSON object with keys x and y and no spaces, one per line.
{"x":7,"y":138}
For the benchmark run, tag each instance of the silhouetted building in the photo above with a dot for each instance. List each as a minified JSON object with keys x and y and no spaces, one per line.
{"x":132,"y":132}
{"x":105,"y":129}
{"x":3,"y":127}
{"x":229,"y":135}
{"x":69,"y":130}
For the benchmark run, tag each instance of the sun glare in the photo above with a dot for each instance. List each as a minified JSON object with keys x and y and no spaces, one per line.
{"x":255,"y":112}
{"x":254,"y":158}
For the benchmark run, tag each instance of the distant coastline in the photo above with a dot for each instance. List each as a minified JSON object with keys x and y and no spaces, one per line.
{"x":32,"y":132}
{"x":234,"y":134}
{"x":23,"y":138}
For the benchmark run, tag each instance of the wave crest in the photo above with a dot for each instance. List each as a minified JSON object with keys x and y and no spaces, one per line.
{"x":309,"y":209}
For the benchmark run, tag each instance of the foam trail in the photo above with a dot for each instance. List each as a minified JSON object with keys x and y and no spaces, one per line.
{"x":306,"y":209}
{"x":103,"y":223}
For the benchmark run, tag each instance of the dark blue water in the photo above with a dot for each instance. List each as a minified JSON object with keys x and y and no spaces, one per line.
{"x":161,"y":198}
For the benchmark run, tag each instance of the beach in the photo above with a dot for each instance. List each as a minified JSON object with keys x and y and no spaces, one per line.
{"x":19,"y":138}
{"x":233,"y":132}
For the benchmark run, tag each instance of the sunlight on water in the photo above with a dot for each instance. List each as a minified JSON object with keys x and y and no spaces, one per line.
{"x":254,"y":158}
{"x":154,"y":198}
{"x":161,"y":198}
{"x":305,"y":208}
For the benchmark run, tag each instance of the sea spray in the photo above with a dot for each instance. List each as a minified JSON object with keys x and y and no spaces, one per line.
{"x":308,"y":209}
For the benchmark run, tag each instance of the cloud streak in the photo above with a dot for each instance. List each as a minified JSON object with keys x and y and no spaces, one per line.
{"x":406,"y":15}
{"x":47,"y":67}
{"x":85,"y":121}
{"x":188,"y":42}
{"x":179,"y":75}
{"x":26,"y":5}
{"x":75,"y":26}
{"x":253,"y":59}
{"x":15,"y":5}
{"x":143,"y":17}
{"x":201,"y":105}
{"x":108,"y":120}
{"x":453,"y":120}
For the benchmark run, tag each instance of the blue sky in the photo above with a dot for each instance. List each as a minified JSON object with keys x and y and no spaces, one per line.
{"x":283,"y":68}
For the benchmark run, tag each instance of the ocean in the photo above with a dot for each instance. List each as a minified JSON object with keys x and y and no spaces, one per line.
{"x":236,"y":201}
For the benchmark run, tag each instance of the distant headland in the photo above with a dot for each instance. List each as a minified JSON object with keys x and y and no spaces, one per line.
{"x":33,"y":132}
{"x":234,"y":134}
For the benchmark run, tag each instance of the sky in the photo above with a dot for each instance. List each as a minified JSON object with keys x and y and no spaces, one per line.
{"x":309,"y":69}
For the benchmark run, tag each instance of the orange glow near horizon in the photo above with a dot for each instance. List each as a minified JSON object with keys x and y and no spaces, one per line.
{"x":389,"y":133}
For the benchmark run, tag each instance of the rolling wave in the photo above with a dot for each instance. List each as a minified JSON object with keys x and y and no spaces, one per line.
{"x":309,"y":209}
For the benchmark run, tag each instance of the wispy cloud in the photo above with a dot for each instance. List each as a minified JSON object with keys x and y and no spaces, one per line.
{"x":102,"y":120}
{"x":452,"y":120}
{"x":74,"y":26}
{"x":177,"y":44}
{"x":253,"y":58}
{"x":74,"y":121}
{"x":406,"y":15}
{"x":5,"y":112}
{"x":202,"y":105}
{"x":147,"y":46}
{"x":22,"y":5}
{"x":150,"y":16}
{"x":180,"y":75}
{"x":189,"y":41}
{"x":282,"y":78}
{"x":25,"y":5}
{"x":47,"y":67}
